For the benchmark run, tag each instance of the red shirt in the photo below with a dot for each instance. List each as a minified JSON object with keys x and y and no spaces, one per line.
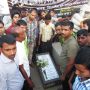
{"x":8,"y":31}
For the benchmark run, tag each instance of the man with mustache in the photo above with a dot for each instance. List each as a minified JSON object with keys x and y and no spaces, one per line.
{"x":69,"y":51}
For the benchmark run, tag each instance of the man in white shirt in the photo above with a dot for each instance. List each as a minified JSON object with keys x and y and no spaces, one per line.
{"x":10,"y":76}
{"x":20,"y":31}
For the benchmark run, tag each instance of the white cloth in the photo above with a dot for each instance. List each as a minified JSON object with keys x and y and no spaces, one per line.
{"x":46,"y":31}
{"x":4,"y":8}
{"x":23,"y":59}
{"x":76,"y":19}
{"x":10,"y":76}
{"x":7,"y":21}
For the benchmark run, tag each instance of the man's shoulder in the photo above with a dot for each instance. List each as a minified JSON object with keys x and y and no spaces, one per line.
{"x":72,"y":44}
{"x":72,"y":40}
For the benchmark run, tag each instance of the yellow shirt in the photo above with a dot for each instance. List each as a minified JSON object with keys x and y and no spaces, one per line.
{"x":46,"y":31}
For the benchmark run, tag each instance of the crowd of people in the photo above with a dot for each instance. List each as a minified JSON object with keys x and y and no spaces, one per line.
{"x":29,"y":32}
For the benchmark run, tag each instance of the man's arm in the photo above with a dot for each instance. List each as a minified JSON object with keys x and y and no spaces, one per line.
{"x":68,"y":68}
{"x":29,"y":81}
{"x":70,"y":80}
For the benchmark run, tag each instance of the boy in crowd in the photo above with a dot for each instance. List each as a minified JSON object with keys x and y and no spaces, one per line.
{"x":82,"y":65}
{"x":53,"y":14}
{"x":46,"y":33}
{"x":15,"y":15}
{"x":86,"y":24}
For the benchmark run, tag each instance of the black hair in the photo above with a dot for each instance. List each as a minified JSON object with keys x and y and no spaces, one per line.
{"x":9,"y":39}
{"x":32,"y":10}
{"x":52,"y":11}
{"x":1,"y":22}
{"x":48,"y":16}
{"x":87,"y":21}
{"x":40,"y":12}
{"x":21,"y":22}
{"x":83,"y":32}
{"x":68,"y":23}
{"x":14,"y":12}
{"x":83,"y":57}
{"x":58,"y":24}
{"x":35,"y":9}
{"x":15,"y":8}
{"x":23,"y":9}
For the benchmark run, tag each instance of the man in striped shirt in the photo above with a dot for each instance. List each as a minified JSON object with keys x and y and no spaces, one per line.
{"x":82,"y":65}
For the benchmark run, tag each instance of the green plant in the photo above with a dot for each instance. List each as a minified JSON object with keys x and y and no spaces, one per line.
{"x":41,"y":63}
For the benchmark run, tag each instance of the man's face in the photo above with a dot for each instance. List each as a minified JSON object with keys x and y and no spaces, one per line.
{"x":52,"y":13}
{"x":82,"y":71}
{"x":22,"y":36}
{"x":16,"y":18}
{"x":32,"y":15}
{"x":43,"y":14}
{"x":9,"y":50}
{"x":1,"y":29}
{"x":23,"y":28}
{"x":58,"y":30}
{"x":47,"y":22}
{"x":23,"y":14}
{"x":85,"y":26}
{"x":66,"y":32}
{"x":82,"y":40}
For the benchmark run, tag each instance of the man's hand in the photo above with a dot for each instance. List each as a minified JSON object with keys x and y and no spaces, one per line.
{"x":63,"y":77}
{"x":31,"y":84}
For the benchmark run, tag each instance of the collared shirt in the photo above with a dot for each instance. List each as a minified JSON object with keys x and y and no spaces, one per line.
{"x":41,"y":21}
{"x":23,"y":58}
{"x":32,"y":30}
{"x":46,"y":31}
{"x":69,"y":50}
{"x":10,"y":76}
{"x":81,"y":85}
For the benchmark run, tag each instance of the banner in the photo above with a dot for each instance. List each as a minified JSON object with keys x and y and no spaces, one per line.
{"x":4,"y":9}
